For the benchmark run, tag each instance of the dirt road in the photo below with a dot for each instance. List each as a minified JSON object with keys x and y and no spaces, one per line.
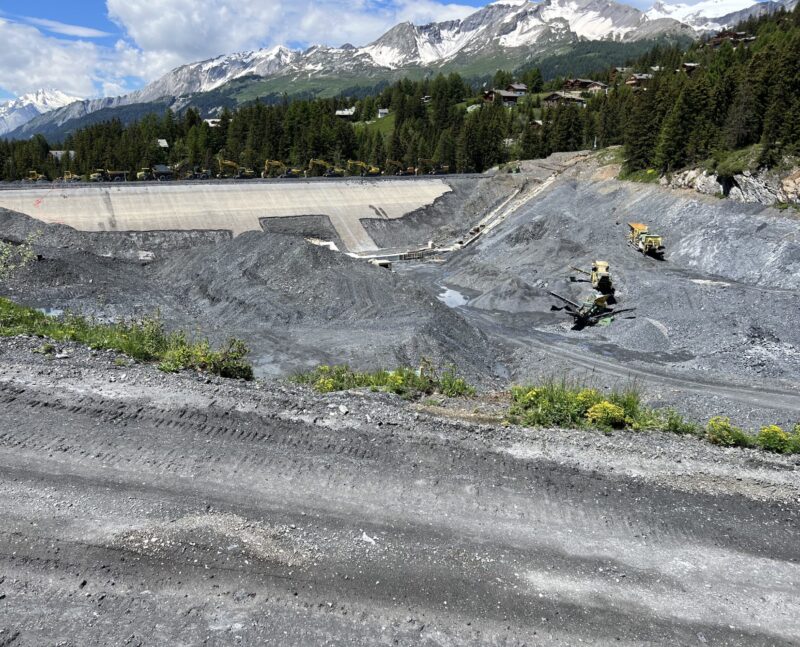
{"x":143,"y":509}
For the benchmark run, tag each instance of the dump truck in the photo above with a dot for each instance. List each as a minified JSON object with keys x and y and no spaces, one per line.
{"x":645,"y":241}
{"x":600,"y":276}
{"x":588,"y":313}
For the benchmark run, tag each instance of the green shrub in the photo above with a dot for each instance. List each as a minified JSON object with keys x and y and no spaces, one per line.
{"x":720,"y":431}
{"x":674,"y":422}
{"x":794,"y":440}
{"x":774,"y":439}
{"x":145,"y":340}
{"x":606,"y":414}
{"x":404,"y":381}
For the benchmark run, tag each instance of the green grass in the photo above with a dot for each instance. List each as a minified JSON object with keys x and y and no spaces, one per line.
{"x":407,"y":382}
{"x":573,"y":406}
{"x":383,"y":126}
{"x":565,"y":404}
{"x":145,"y":340}
{"x":730,"y":163}
{"x":611,"y":155}
{"x":646,"y":176}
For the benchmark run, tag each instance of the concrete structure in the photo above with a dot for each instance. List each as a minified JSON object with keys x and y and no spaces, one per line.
{"x":235,"y":206}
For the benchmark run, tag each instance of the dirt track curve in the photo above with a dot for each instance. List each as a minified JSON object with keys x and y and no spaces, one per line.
{"x":143,"y":509}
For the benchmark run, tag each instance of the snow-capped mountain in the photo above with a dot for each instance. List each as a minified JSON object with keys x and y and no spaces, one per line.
{"x":513,"y":31}
{"x":502,"y":25}
{"x":715,"y":15}
{"x":17,"y":112}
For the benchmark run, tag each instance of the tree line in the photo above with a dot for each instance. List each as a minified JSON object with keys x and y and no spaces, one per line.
{"x":736,"y":96}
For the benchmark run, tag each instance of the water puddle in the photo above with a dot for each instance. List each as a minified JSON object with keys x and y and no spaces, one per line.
{"x":452,"y":298}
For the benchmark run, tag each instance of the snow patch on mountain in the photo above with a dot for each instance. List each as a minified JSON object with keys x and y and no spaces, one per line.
{"x":17,"y":112}
{"x":704,"y":16}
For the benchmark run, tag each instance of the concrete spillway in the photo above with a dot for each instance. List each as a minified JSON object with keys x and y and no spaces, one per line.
{"x":238,"y":206}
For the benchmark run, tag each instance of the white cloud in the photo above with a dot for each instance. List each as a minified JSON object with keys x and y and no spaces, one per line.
{"x":156,"y":39}
{"x":187,"y":30}
{"x":65,"y":29}
{"x":29,"y":60}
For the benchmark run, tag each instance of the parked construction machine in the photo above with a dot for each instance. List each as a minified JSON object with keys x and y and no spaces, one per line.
{"x":645,"y":241}
{"x":69,"y":176}
{"x":230,"y":169}
{"x":393,"y":167}
{"x":104,"y":175}
{"x":273,"y":168}
{"x":588,"y":313}
{"x":35,"y":176}
{"x":600,"y":276}
{"x":355,"y":167}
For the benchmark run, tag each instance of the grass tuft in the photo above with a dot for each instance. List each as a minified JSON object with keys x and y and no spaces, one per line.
{"x":407,"y":382}
{"x":145,"y":340}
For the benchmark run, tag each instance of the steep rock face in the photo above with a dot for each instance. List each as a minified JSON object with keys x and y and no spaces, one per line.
{"x":761,"y":187}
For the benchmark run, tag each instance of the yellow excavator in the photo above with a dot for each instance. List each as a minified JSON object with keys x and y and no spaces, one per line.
{"x":318,"y":167}
{"x":69,"y":176}
{"x":229,"y":169}
{"x":273,"y":168}
{"x":645,"y":241}
{"x":355,"y":167}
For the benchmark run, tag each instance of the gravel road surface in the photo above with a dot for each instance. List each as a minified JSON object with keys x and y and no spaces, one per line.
{"x":145,"y":509}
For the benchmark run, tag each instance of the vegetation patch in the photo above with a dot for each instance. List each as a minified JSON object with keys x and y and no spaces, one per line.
{"x":145,"y":340}
{"x":407,"y":382}
{"x":564,"y":404}
{"x":646,"y":176}
{"x":572,"y":406}
{"x":726,"y":163}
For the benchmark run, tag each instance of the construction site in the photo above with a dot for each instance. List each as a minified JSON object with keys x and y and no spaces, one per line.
{"x":144,"y":508}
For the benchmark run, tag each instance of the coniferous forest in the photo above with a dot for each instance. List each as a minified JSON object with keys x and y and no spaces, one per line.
{"x":736,"y":96}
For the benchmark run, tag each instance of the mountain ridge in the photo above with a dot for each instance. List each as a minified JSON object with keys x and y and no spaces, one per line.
{"x":519,"y":30}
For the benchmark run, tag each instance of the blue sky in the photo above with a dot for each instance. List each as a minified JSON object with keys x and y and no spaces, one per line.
{"x":108,"y":47}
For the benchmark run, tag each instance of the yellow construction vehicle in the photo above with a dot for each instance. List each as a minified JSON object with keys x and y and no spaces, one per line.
{"x":273,"y":168}
{"x":144,"y":174}
{"x":600,"y":276}
{"x":393,"y":167}
{"x":229,"y":169}
{"x":354,"y":167}
{"x":317,"y":168}
{"x":591,"y":311}
{"x":645,"y":241}
{"x":105,"y":175}
{"x":69,"y":176}
{"x":35,"y":176}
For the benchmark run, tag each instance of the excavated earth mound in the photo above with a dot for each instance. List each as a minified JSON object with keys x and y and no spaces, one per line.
{"x":296,"y":304}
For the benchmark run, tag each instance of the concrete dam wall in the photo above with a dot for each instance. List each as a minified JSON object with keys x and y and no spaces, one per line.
{"x":236,"y":206}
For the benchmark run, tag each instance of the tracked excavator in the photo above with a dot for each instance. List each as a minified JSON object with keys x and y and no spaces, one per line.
{"x":230,"y":169}
{"x":273,"y":168}
{"x":588,"y":313}
{"x":355,"y":167}
{"x":600,"y":277}
{"x":648,"y":243}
